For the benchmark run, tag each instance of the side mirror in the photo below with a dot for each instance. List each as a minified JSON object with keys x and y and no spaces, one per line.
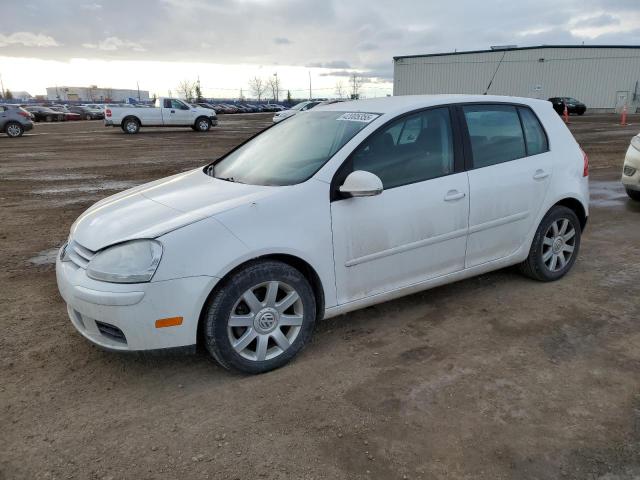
{"x":361,"y":184}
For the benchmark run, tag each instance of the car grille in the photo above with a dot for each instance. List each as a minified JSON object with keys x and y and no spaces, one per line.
{"x":111,"y":331}
{"x":79,"y":255}
{"x":629,"y":171}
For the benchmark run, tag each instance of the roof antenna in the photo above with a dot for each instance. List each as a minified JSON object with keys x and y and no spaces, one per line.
{"x":494,"y":73}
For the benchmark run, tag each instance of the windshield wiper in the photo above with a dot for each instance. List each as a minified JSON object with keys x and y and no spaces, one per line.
{"x":228,"y":179}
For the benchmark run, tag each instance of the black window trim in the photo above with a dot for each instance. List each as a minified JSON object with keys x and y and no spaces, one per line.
{"x":469,"y":165}
{"x":343,"y":170}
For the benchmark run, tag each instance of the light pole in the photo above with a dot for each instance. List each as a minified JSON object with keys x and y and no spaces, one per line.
{"x":310,"y":94}
{"x":275,"y":87}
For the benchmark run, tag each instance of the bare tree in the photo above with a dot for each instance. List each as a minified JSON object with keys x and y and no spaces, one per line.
{"x":258,"y":87}
{"x":356,"y":83}
{"x":274,"y":85}
{"x":340,"y":89}
{"x":186,"y":89}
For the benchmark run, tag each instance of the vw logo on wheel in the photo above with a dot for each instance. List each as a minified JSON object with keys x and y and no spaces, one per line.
{"x":267,"y":321}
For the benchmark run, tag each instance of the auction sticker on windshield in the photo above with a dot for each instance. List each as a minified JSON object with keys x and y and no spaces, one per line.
{"x":358,"y":117}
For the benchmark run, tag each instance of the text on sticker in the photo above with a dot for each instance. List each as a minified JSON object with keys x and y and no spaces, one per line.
{"x":358,"y":117}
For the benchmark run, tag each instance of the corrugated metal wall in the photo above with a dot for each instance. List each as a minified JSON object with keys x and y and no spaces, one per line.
{"x":595,"y":76}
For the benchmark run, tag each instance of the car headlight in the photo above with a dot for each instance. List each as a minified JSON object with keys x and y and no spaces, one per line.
{"x":635,"y":142}
{"x":130,"y":262}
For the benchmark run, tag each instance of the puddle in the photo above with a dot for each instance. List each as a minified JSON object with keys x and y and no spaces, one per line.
{"x":46,"y":257}
{"x":108,"y":185}
{"x":607,"y":194}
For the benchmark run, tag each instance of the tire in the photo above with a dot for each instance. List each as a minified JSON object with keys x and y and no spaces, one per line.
{"x":549,"y":242}
{"x":131,"y":126}
{"x":282,"y":330}
{"x":48,"y":118}
{"x":13,"y":129}
{"x":633,"y":194}
{"x":87,"y":117}
{"x":202,"y":124}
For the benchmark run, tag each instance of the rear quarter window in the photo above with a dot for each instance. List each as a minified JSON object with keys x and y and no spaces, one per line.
{"x":535,"y":136}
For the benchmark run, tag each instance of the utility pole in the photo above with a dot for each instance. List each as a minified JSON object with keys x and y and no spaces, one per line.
{"x":310,"y":94}
{"x":1,"y":86}
{"x":138,"y":84}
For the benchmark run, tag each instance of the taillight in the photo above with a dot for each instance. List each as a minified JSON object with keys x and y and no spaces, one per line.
{"x":25,"y":114}
{"x":585,"y":168}
{"x":107,"y":112}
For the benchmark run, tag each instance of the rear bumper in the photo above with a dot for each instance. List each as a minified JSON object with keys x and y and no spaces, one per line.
{"x":27,"y":126}
{"x":108,"y":123}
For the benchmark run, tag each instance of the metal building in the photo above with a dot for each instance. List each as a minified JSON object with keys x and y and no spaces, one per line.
{"x":95,"y":94}
{"x":605,"y":78}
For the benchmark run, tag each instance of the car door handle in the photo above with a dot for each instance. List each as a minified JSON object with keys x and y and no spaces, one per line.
{"x":540,"y":174}
{"x":453,"y":195}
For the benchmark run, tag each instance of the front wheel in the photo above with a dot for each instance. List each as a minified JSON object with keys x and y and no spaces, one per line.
{"x":203,"y":124}
{"x":261,"y":318}
{"x":555,"y":246}
{"x":633,"y":194}
{"x":14,"y":130}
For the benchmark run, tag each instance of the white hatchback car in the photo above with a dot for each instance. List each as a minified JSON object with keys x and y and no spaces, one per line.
{"x":631,"y":169}
{"x":336,"y":209}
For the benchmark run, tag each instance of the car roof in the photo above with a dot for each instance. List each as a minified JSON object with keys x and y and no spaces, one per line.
{"x":404,"y":103}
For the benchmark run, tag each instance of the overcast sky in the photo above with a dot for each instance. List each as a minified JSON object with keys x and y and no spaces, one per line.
{"x":44,"y":43}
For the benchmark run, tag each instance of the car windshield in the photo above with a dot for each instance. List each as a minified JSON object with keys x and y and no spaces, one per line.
{"x":289,"y":152}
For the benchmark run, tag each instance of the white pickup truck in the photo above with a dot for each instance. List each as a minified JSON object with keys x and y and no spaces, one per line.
{"x":168,"y":112}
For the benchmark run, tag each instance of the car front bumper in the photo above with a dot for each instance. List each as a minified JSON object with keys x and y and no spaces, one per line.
{"x":123,"y":316}
{"x":631,"y":163}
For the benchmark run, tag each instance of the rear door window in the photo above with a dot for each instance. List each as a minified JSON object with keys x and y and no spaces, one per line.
{"x":495,"y":134}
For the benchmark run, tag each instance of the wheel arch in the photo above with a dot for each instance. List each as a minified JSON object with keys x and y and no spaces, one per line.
{"x":576,"y":206}
{"x":128,"y":117}
{"x":293,"y":261}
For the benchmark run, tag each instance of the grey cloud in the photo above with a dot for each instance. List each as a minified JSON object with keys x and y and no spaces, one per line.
{"x":363,"y":34}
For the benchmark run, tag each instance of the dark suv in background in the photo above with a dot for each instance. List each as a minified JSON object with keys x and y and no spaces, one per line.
{"x":14,"y":120}
{"x":573,"y":105}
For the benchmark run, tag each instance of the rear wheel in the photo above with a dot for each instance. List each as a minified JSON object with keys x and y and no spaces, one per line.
{"x":555,"y":246}
{"x":14,"y":129}
{"x":131,"y":126}
{"x":633,"y":194}
{"x":48,"y":118}
{"x":203,"y":124}
{"x":87,"y":117}
{"x":261,"y":319}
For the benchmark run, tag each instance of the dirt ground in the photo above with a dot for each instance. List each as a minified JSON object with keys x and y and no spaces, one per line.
{"x":496,"y":377}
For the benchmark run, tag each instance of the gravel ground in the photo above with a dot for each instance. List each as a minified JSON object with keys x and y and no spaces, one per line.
{"x":496,"y":377}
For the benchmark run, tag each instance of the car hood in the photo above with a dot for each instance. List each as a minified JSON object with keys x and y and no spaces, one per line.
{"x":156,"y":208}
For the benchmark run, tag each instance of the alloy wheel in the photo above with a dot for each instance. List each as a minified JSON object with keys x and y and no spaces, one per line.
{"x":558,"y":244}
{"x":265,"y":321}
{"x":14,"y":130}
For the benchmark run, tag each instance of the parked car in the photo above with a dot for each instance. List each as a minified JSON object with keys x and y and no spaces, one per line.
{"x":87,"y":113}
{"x":168,"y":112}
{"x":44,"y":114}
{"x":336,"y":209}
{"x":68,"y":115}
{"x":573,"y":106}
{"x":274,"y":107}
{"x":14,"y":120}
{"x":226,"y":108}
{"x":207,"y":105}
{"x":631,"y":169}
{"x":300,"y":107}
